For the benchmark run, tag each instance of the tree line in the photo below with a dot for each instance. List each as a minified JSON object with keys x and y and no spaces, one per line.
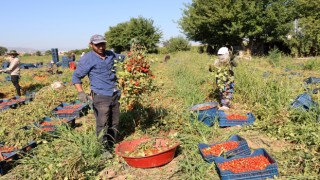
{"x":291,"y":26}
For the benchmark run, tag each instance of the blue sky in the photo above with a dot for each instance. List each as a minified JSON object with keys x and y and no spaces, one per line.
{"x":68,"y":24}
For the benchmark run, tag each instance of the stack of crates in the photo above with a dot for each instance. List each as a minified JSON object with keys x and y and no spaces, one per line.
{"x":55,"y":55}
{"x":65,"y":61}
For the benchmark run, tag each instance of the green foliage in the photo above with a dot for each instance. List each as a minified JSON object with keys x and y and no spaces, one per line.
{"x":27,"y":54}
{"x":227,"y":22}
{"x":139,"y":29}
{"x":177,"y":44}
{"x":38,"y":53}
{"x":305,"y":37}
{"x":274,"y":57}
{"x":3,"y":50}
{"x":47,"y":53}
{"x":313,"y":64}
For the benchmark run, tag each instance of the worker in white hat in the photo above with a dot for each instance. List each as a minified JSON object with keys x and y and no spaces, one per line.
{"x":224,"y":76}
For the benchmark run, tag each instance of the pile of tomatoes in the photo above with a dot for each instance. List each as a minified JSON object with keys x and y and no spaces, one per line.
{"x":246,"y":164}
{"x":75,"y":106}
{"x":6,"y":149}
{"x":237,"y":117}
{"x":53,"y":123}
{"x":65,"y":111}
{"x":217,"y":149}
{"x":134,"y":77}
{"x":206,"y":107}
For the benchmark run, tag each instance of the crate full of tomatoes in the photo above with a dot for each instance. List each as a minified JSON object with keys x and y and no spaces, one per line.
{"x":7,"y":155}
{"x":234,"y":146}
{"x":20,"y":100}
{"x":50,"y":125}
{"x":226,"y":120}
{"x":6,"y":103}
{"x":258,"y":165}
{"x":70,"y":110}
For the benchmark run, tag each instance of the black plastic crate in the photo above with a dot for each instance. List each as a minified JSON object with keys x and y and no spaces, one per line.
{"x":28,"y":147}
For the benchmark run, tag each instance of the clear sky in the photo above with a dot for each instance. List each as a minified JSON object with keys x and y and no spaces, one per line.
{"x":68,"y":24}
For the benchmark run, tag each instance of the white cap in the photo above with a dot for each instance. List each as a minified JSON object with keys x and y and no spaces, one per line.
{"x":223,"y":50}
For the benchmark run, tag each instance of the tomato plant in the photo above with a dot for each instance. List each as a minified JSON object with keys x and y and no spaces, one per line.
{"x":135,"y":77}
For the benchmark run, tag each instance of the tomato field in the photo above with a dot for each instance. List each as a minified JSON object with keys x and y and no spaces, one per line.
{"x":290,"y":136}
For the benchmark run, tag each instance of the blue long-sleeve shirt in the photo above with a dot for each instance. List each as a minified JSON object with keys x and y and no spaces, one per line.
{"x":101,"y":72}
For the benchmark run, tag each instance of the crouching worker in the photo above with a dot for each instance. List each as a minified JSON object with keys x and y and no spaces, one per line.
{"x":224,"y":76}
{"x":99,"y":66}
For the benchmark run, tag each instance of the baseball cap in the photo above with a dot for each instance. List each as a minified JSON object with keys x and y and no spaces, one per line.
{"x":96,"y":39}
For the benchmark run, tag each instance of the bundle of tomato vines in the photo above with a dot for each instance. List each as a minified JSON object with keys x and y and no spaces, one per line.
{"x":150,"y":147}
{"x":135,"y":78}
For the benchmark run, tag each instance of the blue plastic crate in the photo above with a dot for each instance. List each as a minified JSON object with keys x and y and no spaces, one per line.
{"x":68,"y":121}
{"x":206,"y":116}
{"x":78,"y":103}
{"x":78,"y":112}
{"x":8,"y":103}
{"x":312,"y":80}
{"x":4,"y":107}
{"x":20,"y":100}
{"x":224,"y":122}
{"x":242,"y":149}
{"x":270,"y":172}
{"x":303,"y":102}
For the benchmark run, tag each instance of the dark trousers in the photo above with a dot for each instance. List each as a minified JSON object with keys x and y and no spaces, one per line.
{"x":107,"y":112}
{"x":15,"y":82}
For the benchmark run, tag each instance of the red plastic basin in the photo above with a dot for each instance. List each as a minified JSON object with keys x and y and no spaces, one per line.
{"x":153,"y":160}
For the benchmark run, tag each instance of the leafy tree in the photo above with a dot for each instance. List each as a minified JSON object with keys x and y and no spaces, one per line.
{"x":38,"y":53}
{"x":304,"y":39}
{"x":139,"y":30}
{"x":48,"y":52}
{"x":177,"y":44}
{"x":3,"y":50}
{"x":221,"y":23}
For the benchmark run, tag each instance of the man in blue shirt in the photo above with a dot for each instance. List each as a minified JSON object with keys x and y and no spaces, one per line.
{"x":98,"y":64}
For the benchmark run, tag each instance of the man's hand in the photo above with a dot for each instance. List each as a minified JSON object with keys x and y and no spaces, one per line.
{"x":82,"y":97}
